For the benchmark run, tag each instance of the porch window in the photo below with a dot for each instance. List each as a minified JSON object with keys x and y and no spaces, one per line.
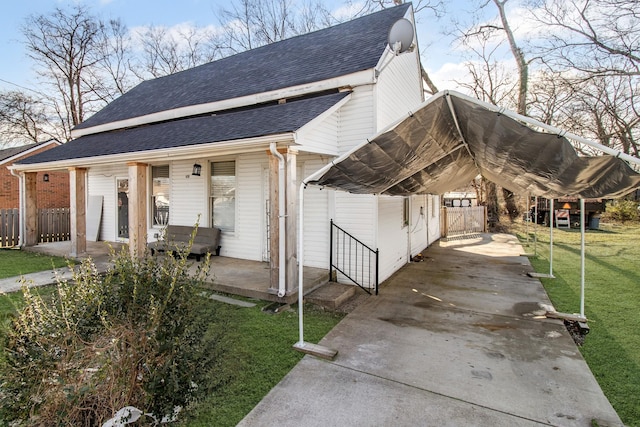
{"x":161,"y":188}
{"x":223,"y":195}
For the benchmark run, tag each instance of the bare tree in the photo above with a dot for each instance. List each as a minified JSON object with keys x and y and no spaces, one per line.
{"x":488,"y":79}
{"x":253,"y":23}
{"x":167,"y":51}
{"x":114,"y":68}
{"x":436,"y":7}
{"x":62,"y":45}
{"x":21,"y":118}
{"x":594,"y":49}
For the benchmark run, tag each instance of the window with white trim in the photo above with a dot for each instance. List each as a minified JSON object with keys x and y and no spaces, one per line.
{"x":223,"y":195}
{"x":160,"y":191}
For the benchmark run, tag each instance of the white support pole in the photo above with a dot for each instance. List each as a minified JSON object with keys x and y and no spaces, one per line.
{"x":528,"y":220}
{"x":552,"y":221}
{"x":301,"y":265}
{"x":305,"y":347}
{"x":582,"y":253}
{"x":535,"y":228}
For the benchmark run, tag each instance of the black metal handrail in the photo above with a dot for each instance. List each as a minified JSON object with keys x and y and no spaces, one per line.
{"x":353,"y":259}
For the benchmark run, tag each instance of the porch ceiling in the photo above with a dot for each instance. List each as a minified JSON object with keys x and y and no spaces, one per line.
{"x":452,"y":138}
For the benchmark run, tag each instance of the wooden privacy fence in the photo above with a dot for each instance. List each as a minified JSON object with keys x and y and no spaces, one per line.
{"x":54,"y":225}
{"x":9,"y":227}
{"x":463,"y":221}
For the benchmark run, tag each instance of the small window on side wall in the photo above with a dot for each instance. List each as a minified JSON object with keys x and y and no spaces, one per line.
{"x":405,"y":212}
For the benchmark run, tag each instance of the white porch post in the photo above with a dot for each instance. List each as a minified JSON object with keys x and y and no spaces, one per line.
{"x":291,"y":229}
{"x":290,"y":220}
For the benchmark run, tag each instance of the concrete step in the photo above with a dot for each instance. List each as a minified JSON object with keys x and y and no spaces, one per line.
{"x":331,"y":295}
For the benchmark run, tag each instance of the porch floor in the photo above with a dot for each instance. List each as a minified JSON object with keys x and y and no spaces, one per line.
{"x":229,"y":275}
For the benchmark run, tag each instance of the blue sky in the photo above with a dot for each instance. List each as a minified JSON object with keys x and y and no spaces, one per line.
{"x":15,"y":67}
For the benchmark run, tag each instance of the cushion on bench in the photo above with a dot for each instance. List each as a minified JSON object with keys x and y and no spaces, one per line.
{"x":176,"y":237}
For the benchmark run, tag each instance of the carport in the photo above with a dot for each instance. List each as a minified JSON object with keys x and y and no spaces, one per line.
{"x":450,"y":139}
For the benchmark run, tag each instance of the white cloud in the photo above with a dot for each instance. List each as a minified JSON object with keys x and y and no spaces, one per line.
{"x":448,"y":75}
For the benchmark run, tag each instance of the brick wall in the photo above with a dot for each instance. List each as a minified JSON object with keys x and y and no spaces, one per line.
{"x":52,"y":194}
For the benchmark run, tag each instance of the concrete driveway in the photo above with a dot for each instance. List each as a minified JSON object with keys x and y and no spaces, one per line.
{"x":454,"y":340}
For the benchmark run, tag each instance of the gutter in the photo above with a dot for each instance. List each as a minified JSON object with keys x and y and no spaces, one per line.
{"x":162,"y":155}
{"x":282,"y":221}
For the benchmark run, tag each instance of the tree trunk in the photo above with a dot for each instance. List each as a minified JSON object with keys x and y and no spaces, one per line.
{"x":493,"y":211}
{"x":510,"y":204}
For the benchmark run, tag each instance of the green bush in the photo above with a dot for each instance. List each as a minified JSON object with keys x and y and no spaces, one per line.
{"x":622,"y":211}
{"x":138,"y":336}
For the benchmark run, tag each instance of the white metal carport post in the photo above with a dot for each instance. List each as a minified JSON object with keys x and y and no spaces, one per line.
{"x":582,"y":239}
{"x":305,"y":347}
{"x":551,"y":222}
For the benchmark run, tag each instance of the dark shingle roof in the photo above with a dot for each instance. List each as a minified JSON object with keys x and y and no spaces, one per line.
{"x":343,"y":49}
{"x":10,"y":152}
{"x":259,"y":121}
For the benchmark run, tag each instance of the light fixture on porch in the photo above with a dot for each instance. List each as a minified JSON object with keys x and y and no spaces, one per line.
{"x":45,"y":177}
{"x":196,"y":169}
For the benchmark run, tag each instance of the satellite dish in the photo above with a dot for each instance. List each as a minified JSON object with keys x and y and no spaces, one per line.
{"x":401,"y":36}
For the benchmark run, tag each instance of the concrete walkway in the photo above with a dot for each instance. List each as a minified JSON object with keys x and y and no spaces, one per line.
{"x":455,"y":340}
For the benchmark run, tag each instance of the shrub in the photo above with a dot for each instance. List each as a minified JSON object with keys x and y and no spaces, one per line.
{"x":138,"y":336}
{"x":622,"y":210}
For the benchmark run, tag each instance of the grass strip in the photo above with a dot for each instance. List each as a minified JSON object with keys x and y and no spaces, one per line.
{"x":612,"y":303}
{"x":14,"y":262}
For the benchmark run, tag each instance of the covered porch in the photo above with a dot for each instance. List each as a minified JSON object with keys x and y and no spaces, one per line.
{"x":228,"y":275}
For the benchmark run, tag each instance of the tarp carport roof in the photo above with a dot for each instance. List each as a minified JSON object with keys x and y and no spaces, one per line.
{"x":452,"y":138}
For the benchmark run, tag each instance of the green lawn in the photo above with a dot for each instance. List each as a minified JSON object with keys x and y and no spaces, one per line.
{"x":260,"y":354}
{"x":14,"y":262}
{"x":612,"y":303}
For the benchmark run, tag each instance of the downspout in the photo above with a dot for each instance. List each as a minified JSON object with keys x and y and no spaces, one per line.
{"x":281,"y":221}
{"x":22,"y":208}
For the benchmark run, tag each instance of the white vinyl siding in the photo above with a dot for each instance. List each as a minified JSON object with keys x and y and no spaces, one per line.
{"x":188,"y":195}
{"x":434,"y":218}
{"x":246,"y":241}
{"x":322,"y":138}
{"x":392,"y":235}
{"x":418,"y":225}
{"x":356,"y":121}
{"x":398,"y":90}
{"x":316,"y":220}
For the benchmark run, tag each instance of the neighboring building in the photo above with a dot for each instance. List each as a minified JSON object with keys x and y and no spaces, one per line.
{"x":459,"y":199}
{"x":210,"y":144}
{"x":52,"y":187}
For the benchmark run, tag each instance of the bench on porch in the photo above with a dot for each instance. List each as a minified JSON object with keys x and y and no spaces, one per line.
{"x":177,"y":237}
